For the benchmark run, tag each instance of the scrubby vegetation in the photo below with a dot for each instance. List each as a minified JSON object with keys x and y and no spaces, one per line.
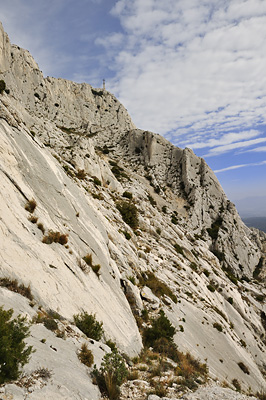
{"x":88,"y":324}
{"x":88,"y":261}
{"x":30,"y":205}
{"x":2,"y":86}
{"x":85,"y":355}
{"x":13,"y":350}
{"x":129,"y":213}
{"x":55,"y":237}
{"x":111,"y":375}
{"x":14,"y":286}
{"x":158,"y":287}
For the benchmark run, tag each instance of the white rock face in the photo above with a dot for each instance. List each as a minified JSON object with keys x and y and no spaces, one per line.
{"x":75,"y":150}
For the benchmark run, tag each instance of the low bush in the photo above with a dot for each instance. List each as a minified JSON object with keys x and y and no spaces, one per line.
{"x":88,"y":261}
{"x":158,"y":287}
{"x":85,"y":356}
{"x":218,"y":326}
{"x":13,"y":286}
{"x":30,"y":205}
{"x":96,"y":181}
{"x":128,"y":195}
{"x":161,"y":328}
{"x":129,"y":213}
{"x":111,"y":375}
{"x":179,"y":249}
{"x":88,"y":324}
{"x":41,"y":227}
{"x":81,"y":174}
{"x":13,"y":350}
{"x":55,"y":237}
{"x":211,"y":288}
{"x":2,"y":86}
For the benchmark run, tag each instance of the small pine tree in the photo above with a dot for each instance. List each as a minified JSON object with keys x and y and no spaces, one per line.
{"x":13,"y":350}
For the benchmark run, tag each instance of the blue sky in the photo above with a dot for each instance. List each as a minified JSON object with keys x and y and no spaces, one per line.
{"x":190,"y":70}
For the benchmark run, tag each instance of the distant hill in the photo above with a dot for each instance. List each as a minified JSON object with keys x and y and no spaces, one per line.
{"x":256,"y":222}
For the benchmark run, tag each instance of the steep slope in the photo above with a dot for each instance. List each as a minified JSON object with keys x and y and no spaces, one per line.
{"x":75,"y":150}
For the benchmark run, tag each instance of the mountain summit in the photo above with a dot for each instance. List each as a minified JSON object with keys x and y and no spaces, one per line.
{"x":101,"y":219}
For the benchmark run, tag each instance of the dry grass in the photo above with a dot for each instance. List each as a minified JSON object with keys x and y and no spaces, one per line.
{"x":13,"y":286}
{"x":55,"y":237}
{"x":30,"y":205}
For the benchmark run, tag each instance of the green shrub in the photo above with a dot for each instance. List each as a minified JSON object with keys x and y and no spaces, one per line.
{"x":97,"y":181}
{"x":88,"y":324}
{"x":211,"y":288}
{"x":111,"y":375}
{"x":236,"y":384}
{"x":214,"y":230}
{"x":179,"y":249}
{"x":151,"y":200}
{"x":164,"y":209}
{"x":127,"y":235}
{"x":13,"y":351}
{"x":128,"y":195}
{"x":129,"y":213}
{"x":85,"y":355}
{"x":161,"y":328}
{"x":230,"y":300}
{"x":50,"y":324}
{"x":2,"y":86}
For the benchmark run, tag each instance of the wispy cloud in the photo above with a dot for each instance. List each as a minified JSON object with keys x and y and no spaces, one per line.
{"x":240,"y":166}
{"x":191,"y":68}
{"x":233,"y":146}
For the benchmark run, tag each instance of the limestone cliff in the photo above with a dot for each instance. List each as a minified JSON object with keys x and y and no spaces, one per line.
{"x":76,"y":152}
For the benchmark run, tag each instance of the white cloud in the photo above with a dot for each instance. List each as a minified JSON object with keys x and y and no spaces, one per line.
{"x":240,"y":166}
{"x":233,"y":146}
{"x":192,"y":67}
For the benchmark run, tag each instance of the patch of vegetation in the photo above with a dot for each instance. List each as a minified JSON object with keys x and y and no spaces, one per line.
{"x":230,"y":300}
{"x":81,"y":174}
{"x":128,"y":195}
{"x":33,"y":219}
{"x":129,"y":213}
{"x":179,"y":249}
{"x":151,"y":200}
{"x":211,"y":288}
{"x":213,"y":231}
{"x":96,"y":181}
{"x":41,"y":227}
{"x":55,"y":237}
{"x":193,"y":266}
{"x":258,"y":269}
{"x":13,"y":286}
{"x":219,"y":255}
{"x":174,"y":219}
{"x":37,"y":95}
{"x":217,"y":326}
{"x":164,"y":209}
{"x":161,"y":329}
{"x":85,"y":355}
{"x":111,"y":375}
{"x":236,"y":384}
{"x":158,"y":287}
{"x":88,"y":324}
{"x":127,"y":235}
{"x":13,"y":350}
{"x":88,"y":261}
{"x":206,"y":272}
{"x":30,"y":205}
{"x":118,"y":171}
{"x":2,"y":86}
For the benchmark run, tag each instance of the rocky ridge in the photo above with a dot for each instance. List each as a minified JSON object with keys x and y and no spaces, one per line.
{"x":75,"y":150}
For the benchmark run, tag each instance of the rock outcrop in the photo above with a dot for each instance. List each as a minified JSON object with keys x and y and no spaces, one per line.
{"x":76,"y":152}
